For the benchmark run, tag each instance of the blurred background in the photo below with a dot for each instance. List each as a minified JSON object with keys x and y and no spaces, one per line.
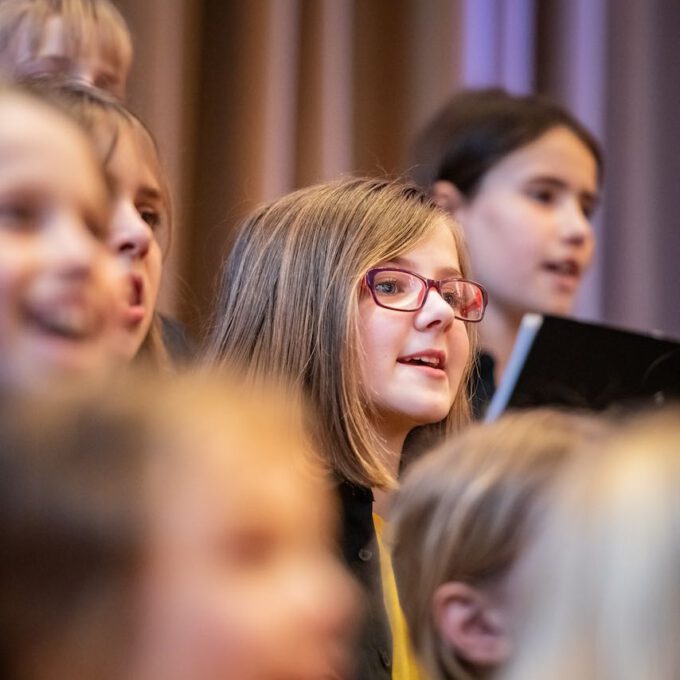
{"x":250,"y":99}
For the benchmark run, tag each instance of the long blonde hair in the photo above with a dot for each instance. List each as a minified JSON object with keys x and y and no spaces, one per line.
{"x":288,"y":304}
{"x":605,"y":593}
{"x":465,"y":511}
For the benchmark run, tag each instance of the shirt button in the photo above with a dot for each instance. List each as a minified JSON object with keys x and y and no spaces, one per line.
{"x":365,"y":555}
{"x":386,"y":659}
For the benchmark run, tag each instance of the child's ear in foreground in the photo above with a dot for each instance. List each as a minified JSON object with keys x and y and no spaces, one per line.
{"x":472,"y":622}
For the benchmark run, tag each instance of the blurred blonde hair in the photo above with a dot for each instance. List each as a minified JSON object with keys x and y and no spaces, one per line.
{"x":81,"y":19}
{"x":76,"y":480}
{"x":288,"y":305}
{"x":605,"y":600}
{"x":466,"y":510}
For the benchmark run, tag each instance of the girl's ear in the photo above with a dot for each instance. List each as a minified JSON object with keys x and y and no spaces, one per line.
{"x":471,"y":624}
{"x":446,"y":196}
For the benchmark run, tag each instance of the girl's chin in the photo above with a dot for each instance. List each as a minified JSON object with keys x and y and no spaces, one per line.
{"x":557,"y":303}
{"x":404,"y":418}
{"x":428,"y":416}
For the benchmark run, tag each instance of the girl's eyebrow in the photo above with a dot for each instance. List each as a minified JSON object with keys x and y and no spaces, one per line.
{"x":150,"y":194}
{"x":404,"y":263}
{"x":557,"y":183}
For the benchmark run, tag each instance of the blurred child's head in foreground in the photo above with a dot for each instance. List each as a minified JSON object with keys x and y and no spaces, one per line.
{"x":59,"y":285}
{"x":461,"y":519}
{"x":603,"y":575}
{"x":164,"y":531}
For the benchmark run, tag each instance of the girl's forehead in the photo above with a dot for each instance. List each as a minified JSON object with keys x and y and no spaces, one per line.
{"x":28,"y":123}
{"x":550,"y":148}
{"x":122,"y":140}
{"x":134,"y":148}
{"x":239,"y":465}
{"x":438,"y":244}
{"x":144,"y":142}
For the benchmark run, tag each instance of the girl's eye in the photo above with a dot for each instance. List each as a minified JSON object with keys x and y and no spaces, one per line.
{"x":453,"y":299}
{"x":105,"y":81}
{"x":543,"y":195}
{"x":17,"y":215}
{"x":151,"y":217}
{"x":588,"y":208}
{"x":389,"y":287}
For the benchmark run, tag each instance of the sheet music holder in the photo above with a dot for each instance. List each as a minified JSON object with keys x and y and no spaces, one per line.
{"x":563,"y":362}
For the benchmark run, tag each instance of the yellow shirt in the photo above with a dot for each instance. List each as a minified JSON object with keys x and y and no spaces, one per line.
{"x":404,"y":664}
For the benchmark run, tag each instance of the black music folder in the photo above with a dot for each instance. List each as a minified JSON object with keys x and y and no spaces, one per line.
{"x":564,"y":362}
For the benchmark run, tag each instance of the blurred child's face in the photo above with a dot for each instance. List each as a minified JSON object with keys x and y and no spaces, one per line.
{"x":529,"y":228}
{"x":57,"y":280}
{"x":55,"y":57}
{"x":140,"y":215}
{"x":242,"y":582}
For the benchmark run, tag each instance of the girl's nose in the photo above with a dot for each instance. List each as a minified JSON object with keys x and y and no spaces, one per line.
{"x":576,"y":226}
{"x":435,"y":312}
{"x":130,"y":234}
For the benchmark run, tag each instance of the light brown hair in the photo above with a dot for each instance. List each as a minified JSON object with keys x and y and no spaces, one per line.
{"x":465,"y":512}
{"x":288,"y":304}
{"x":81,"y":19}
{"x":603,"y":574}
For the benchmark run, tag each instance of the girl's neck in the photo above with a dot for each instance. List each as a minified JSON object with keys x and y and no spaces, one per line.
{"x":394,"y":444}
{"x":497,"y":336}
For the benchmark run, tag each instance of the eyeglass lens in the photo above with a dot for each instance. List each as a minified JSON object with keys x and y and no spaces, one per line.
{"x":403,"y":291}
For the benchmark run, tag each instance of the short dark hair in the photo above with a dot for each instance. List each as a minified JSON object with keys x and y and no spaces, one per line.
{"x":477,"y":128}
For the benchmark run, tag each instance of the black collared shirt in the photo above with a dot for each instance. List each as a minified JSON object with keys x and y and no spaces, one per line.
{"x":360,"y":550}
